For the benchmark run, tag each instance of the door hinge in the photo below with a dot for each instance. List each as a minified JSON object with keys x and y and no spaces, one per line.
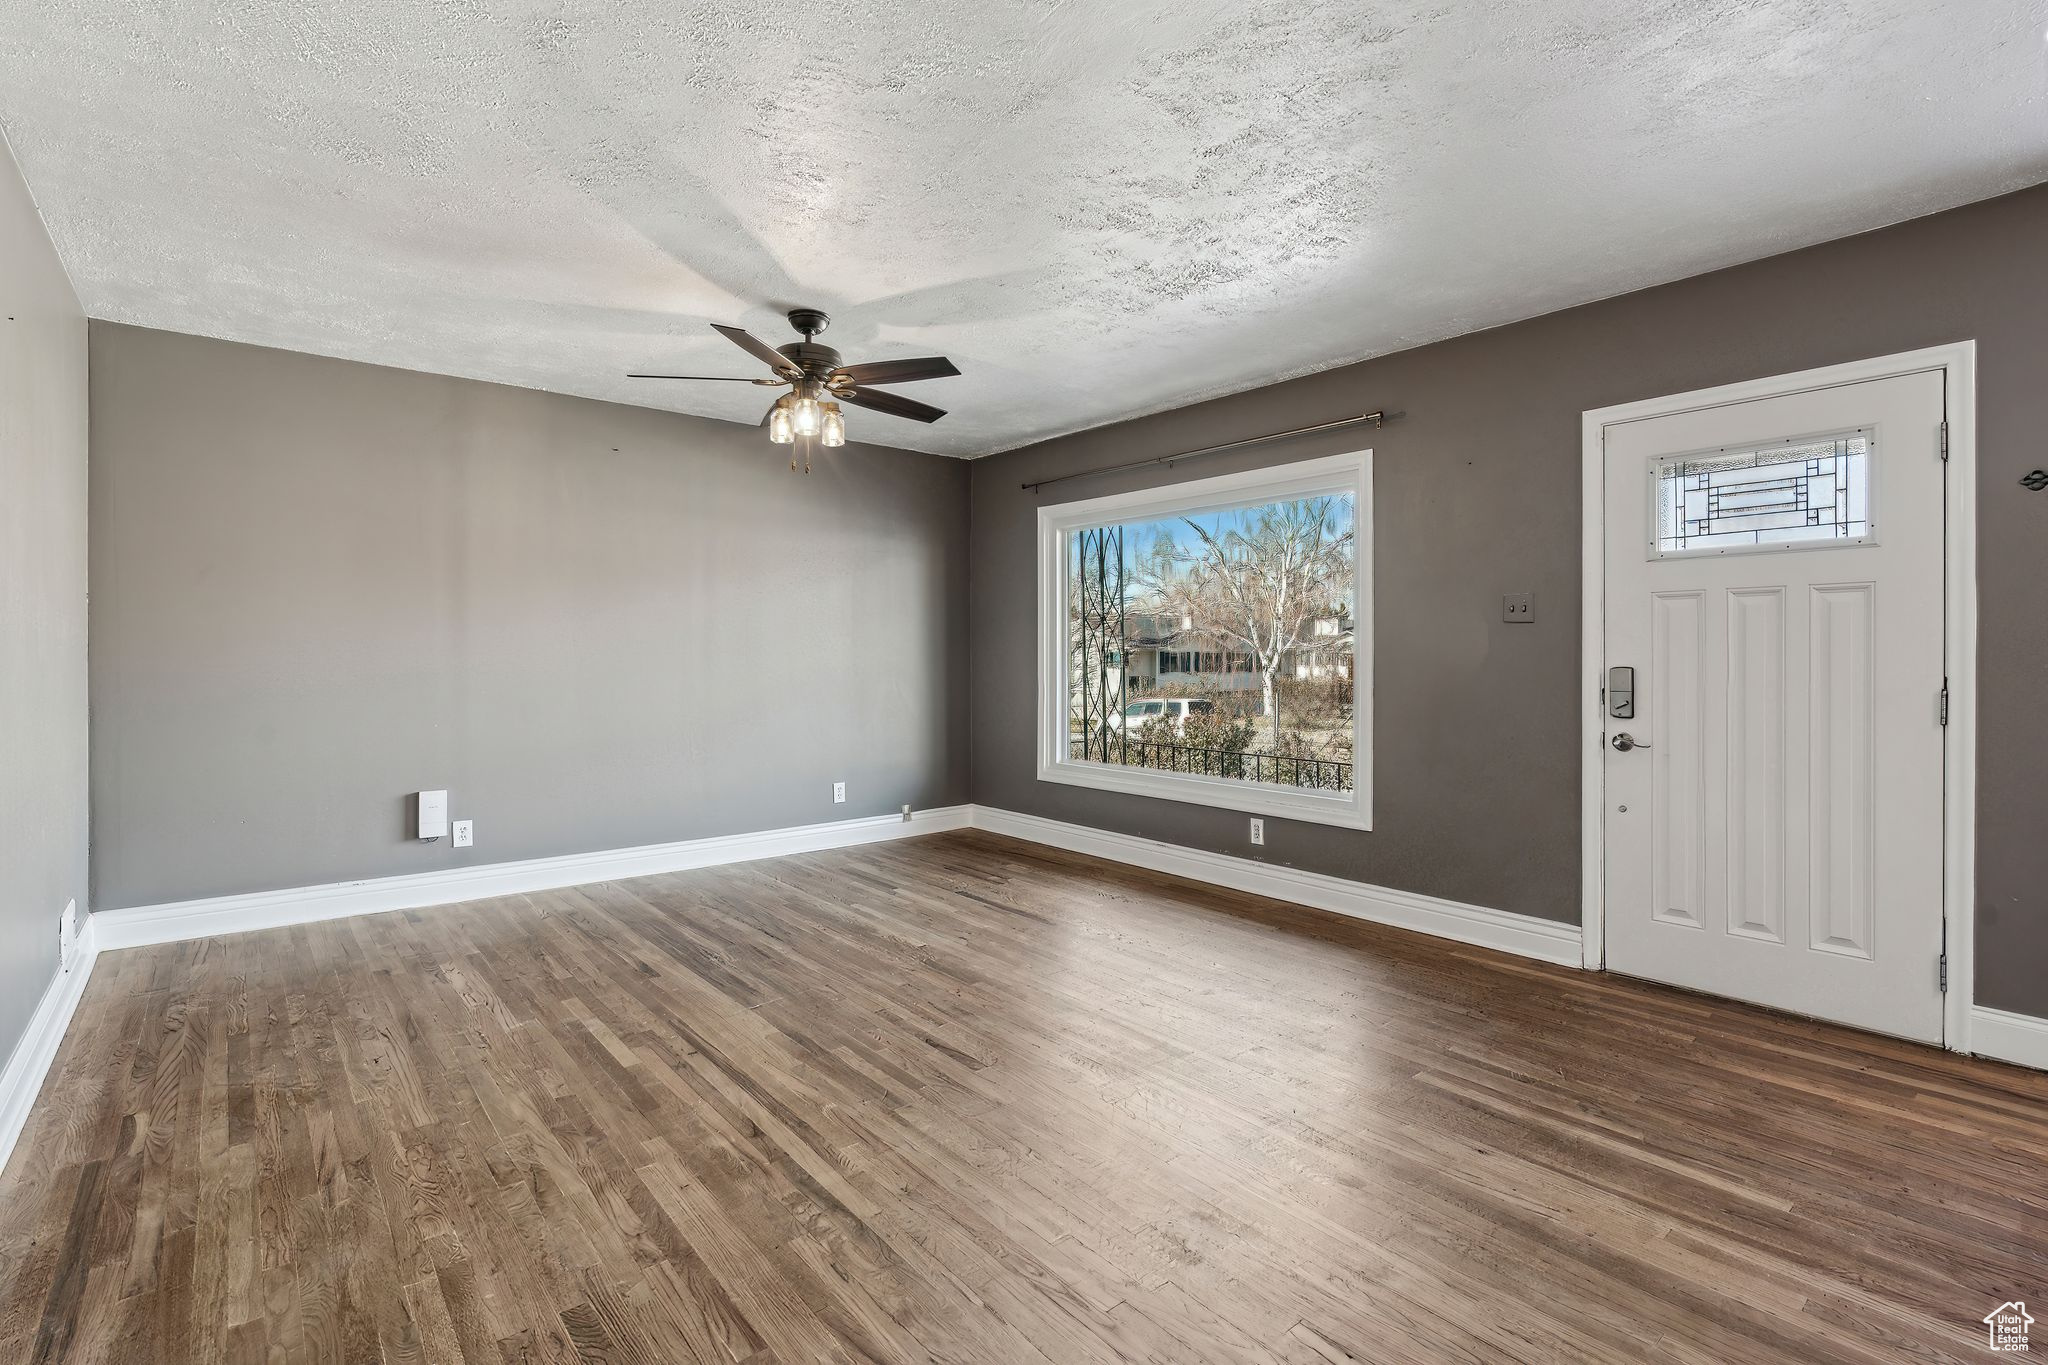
{"x":1942,"y":963}
{"x":1944,"y":701}
{"x":1944,"y":438}
{"x":1944,"y":973}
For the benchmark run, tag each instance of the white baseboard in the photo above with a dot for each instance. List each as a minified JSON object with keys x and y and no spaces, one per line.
{"x":2018,"y":1038}
{"x":26,"y":1070}
{"x":172,"y":922}
{"x":178,"y":920}
{"x":1526,"y":935}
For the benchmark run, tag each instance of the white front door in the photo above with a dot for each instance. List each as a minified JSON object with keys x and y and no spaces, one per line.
{"x":1773,"y":806}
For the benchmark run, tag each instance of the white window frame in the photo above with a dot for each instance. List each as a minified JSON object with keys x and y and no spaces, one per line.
{"x":1349,"y":473}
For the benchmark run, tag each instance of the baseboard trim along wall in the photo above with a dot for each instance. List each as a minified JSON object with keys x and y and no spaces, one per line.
{"x":22,"y":1081}
{"x":2020,"y":1039}
{"x":1526,"y":935}
{"x":2017,"y":1038}
{"x":178,"y":920}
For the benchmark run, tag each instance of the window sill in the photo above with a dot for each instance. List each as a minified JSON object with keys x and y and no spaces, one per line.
{"x":1351,"y":811}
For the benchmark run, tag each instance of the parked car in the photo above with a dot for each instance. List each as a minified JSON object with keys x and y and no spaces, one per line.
{"x":1177,"y":709}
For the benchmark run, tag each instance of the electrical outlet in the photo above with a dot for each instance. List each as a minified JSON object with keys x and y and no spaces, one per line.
{"x":465,"y":833}
{"x":1258,"y":831}
{"x":838,"y":792}
{"x":67,"y":935}
{"x":1518,"y":606}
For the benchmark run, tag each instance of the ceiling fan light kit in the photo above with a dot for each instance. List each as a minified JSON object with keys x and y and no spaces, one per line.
{"x":819,"y":383}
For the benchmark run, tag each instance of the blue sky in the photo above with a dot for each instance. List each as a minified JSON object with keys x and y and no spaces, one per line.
{"x":1139,"y":536}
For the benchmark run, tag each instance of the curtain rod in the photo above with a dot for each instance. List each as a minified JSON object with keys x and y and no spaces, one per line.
{"x":1378,"y":419}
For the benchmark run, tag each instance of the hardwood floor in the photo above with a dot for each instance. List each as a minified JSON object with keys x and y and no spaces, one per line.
{"x":967,"y":1099}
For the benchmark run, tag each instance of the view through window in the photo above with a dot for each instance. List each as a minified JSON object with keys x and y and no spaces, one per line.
{"x":1218,"y":643}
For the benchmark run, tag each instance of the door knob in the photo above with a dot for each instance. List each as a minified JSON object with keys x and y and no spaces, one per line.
{"x":1626,"y":741}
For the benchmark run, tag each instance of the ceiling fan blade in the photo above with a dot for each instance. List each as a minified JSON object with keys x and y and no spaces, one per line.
{"x":720,"y":378}
{"x":898,"y":371}
{"x":754,"y":346}
{"x":894,"y":404}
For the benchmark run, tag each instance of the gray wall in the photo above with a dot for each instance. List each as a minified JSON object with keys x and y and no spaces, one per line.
{"x":42,"y":605}
{"x":319,"y":586}
{"x":1477,"y":757}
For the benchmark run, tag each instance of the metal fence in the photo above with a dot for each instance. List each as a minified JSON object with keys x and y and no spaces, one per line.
{"x":1286,"y":770}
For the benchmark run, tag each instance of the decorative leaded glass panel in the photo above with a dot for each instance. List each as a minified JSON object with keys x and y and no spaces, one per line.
{"x":1808,"y":493}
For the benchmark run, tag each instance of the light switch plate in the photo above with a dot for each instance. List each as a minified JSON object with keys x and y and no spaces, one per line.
{"x":1518,"y":606}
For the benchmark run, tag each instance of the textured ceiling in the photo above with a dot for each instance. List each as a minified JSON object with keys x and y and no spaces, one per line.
{"x":1096,"y":209}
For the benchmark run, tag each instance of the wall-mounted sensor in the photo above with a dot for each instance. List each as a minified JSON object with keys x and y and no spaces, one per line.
{"x":433,"y":814}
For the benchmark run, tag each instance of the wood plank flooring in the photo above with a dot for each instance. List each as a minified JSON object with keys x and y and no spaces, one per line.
{"x":967,"y":1099}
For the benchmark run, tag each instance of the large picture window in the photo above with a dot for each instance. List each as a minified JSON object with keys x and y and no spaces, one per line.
{"x":1211,"y":642}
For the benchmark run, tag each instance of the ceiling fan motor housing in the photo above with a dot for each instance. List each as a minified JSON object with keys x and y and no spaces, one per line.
{"x":817,"y":362}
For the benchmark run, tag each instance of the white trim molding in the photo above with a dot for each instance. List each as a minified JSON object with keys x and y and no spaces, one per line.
{"x":1957,"y":363}
{"x":1524,"y":935}
{"x":2021,"y":1039}
{"x":30,"y":1064}
{"x":179,"y":920}
{"x":2016,"y":1038}
{"x":1330,"y":474}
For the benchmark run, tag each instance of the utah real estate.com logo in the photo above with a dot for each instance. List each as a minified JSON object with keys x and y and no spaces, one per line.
{"x":2008,"y":1325}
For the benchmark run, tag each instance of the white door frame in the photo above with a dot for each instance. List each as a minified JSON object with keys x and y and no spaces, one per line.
{"x":1958,"y":363}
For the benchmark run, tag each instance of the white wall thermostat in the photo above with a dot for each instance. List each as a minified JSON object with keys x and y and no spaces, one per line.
{"x":433,"y":814}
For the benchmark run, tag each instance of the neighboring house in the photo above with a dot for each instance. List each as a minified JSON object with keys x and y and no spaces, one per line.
{"x":1145,"y":636}
{"x":1159,"y":654}
{"x":1199,"y":664}
{"x":1332,"y":652}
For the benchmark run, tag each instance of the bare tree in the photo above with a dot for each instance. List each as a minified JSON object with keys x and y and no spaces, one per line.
{"x":1259,"y":580}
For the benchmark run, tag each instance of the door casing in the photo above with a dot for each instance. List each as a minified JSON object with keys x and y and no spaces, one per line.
{"x":1958,"y":363}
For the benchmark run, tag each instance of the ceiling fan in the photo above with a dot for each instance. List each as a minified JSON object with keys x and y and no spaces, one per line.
{"x":819,"y":383}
